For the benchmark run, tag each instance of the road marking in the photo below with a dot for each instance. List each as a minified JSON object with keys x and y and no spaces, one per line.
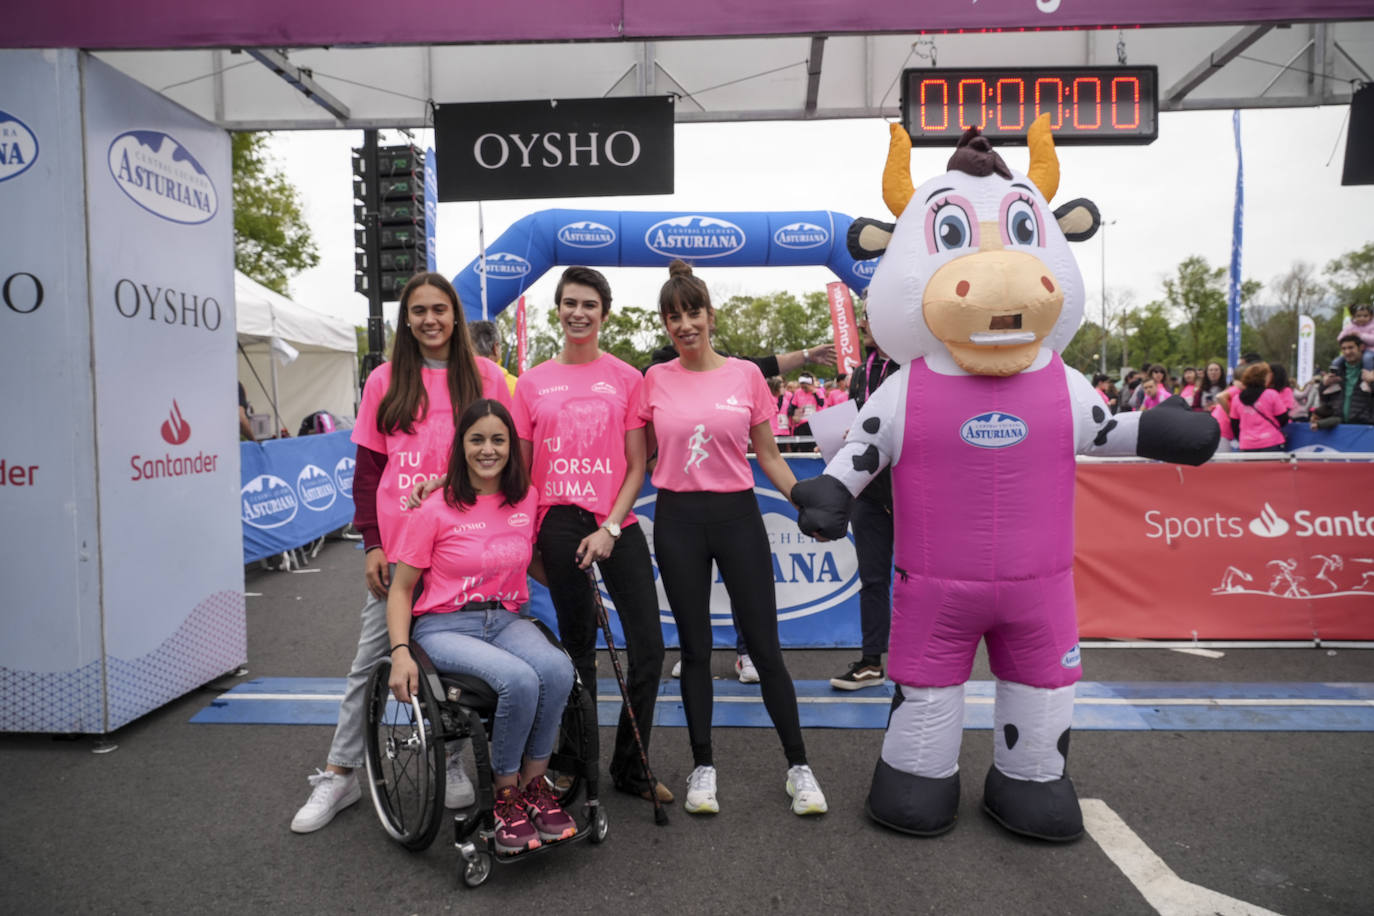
{"x":1169,"y":894}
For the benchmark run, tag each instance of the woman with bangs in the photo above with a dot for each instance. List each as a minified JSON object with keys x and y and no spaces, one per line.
{"x":704,"y":412}
{"x":475,"y":546}
{"x":404,"y":432}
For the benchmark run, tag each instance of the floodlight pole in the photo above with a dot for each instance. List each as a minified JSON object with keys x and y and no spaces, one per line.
{"x":376,"y":331}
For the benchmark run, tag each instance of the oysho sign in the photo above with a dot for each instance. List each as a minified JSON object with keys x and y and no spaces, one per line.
{"x":162,"y":177}
{"x":555,"y":148}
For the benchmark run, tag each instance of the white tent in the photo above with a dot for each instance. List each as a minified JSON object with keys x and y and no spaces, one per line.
{"x":323,"y":375}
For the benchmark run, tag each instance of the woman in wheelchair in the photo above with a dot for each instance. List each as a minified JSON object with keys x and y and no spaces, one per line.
{"x":474,"y":547}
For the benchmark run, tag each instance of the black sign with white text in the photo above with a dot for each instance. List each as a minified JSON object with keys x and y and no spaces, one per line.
{"x":555,"y":148}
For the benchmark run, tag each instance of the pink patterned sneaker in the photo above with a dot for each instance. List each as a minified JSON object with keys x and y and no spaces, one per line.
{"x":552,"y":822}
{"x":514,"y":832}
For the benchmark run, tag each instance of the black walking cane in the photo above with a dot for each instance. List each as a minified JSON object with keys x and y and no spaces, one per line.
{"x":660,"y":815}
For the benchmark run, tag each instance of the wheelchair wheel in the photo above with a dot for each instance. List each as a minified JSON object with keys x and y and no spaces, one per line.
{"x":405,"y":760}
{"x":477,"y":870}
{"x":577,"y":750}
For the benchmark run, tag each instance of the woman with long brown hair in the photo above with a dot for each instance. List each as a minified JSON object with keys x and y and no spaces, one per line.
{"x":404,"y":433}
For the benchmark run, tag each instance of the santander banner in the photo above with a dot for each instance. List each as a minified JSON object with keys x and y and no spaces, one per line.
{"x":1254,"y":550}
{"x":848,"y":351}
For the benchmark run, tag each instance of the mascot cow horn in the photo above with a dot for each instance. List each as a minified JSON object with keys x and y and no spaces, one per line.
{"x":976,"y":295}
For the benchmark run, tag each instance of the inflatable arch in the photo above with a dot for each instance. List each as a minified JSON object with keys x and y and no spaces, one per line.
{"x":610,"y":238}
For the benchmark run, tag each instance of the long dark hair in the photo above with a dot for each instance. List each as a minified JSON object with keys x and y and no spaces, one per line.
{"x":1280,"y":380}
{"x":515,"y":480}
{"x":406,"y":399}
{"x":1206,"y":386}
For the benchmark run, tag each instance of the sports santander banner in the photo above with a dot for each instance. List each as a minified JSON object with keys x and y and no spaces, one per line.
{"x":1230,"y":550}
{"x":848,"y":350}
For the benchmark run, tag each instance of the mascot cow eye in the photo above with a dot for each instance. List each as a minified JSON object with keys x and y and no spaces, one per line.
{"x":1021,"y":222}
{"x":950,"y":227}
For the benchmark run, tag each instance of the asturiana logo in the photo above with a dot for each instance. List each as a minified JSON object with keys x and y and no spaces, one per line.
{"x":994,"y":430}
{"x":343,"y":475}
{"x":603,"y":388}
{"x":268,"y":502}
{"x":162,"y":177}
{"x":502,"y":265}
{"x":802,"y":235}
{"x":1269,"y":524}
{"x":519,"y":520}
{"x":695,"y":237}
{"x":18,"y":146}
{"x":1071,"y":658}
{"x":866,"y":269}
{"x":586,"y":234}
{"x":175,"y":429}
{"x":316,"y":488}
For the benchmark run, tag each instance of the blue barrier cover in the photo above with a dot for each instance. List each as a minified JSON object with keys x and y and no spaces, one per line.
{"x":294,"y":491}
{"x":1348,"y":437}
{"x":817,"y":583}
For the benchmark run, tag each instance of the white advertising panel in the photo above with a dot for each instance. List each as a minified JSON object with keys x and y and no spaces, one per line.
{"x":160,"y":229}
{"x":1307,"y":334}
{"x":51,"y":673}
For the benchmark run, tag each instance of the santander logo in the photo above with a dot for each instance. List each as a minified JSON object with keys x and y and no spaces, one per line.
{"x":175,"y":429}
{"x":1269,"y":524}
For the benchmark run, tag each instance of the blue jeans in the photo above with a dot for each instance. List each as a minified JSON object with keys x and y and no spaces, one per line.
{"x":531,"y":676}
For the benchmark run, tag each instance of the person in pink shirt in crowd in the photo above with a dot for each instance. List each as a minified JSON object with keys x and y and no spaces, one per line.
{"x":806,"y":400}
{"x":1155,"y":393}
{"x":705,"y":411}
{"x":475,"y":546}
{"x":578,"y":419}
{"x":780,"y":424}
{"x":1258,"y":413}
{"x":1189,"y":384}
{"x":839,"y":392}
{"x":404,"y":432}
{"x":1278,"y":380}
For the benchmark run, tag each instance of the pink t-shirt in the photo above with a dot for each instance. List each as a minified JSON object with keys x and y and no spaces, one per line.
{"x":1222,"y":417}
{"x":411,"y":457}
{"x":1258,"y":421}
{"x":836,"y":396}
{"x":702,"y":422}
{"x":1290,"y":403}
{"x":780,"y":425}
{"x":1188,"y":392}
{"x":477,"y":553}
{"x":576,"y":418}
{"x":806,"y":404}
{"x":1159,"y":397}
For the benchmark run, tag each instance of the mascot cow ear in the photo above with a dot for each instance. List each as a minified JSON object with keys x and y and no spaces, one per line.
{"x":868,"y":238}
{"x":1078,"y":219}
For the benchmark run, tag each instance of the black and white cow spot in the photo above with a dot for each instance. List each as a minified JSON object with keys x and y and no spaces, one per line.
{"x":1011,"y":734}
{"x":1064,"y":744}
{"x":1102,"y":433}
{"x":872,"y":425}
{"x":868,"y":461}
{"x":1099,"y":415}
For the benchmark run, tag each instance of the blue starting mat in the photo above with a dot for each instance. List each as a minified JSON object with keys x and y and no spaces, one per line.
{"x":1100,"y":705}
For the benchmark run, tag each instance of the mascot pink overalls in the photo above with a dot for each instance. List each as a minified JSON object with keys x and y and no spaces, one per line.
{"x":975,"y":296}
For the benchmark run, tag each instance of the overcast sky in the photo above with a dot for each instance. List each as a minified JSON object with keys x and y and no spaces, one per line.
{"x":1170,"y":199}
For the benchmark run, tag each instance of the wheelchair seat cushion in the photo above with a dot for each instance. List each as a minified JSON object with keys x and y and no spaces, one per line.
{"x":475,"y":693}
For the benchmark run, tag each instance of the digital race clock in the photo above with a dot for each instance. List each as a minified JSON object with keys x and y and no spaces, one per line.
{"x":1086,"y":105}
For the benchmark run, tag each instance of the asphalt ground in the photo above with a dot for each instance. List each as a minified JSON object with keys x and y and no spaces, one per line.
{"x":190,"y":818}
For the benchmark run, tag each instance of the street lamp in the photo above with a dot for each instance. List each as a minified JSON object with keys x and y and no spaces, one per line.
{"x":1105,"y":224}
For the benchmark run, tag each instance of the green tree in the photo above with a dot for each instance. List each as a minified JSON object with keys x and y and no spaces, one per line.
{"x":775,"y":323}
{"x":1351,"y":276}
{"x":1197,"y":291}
{"x":1270,"y":328}
{"x":271,"y":239}
{"x":1153,"y":339}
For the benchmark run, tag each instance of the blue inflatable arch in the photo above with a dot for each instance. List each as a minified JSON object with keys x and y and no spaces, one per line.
{"x":610,"y":238}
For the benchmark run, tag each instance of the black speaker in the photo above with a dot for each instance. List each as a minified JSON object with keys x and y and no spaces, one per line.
{"x":1359,"y":140}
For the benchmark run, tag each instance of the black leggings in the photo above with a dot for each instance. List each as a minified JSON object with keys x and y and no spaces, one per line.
{"x":690,"y":530}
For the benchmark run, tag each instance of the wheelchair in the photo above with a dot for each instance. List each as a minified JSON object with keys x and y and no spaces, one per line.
{"x":406,"y":762}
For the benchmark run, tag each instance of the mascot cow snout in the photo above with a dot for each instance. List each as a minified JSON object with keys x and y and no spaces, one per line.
{"x":976,"y":295}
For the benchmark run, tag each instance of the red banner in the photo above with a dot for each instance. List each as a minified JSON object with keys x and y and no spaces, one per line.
{"x":520,"y":336}
{"x":848,"y":347}
{"x":1230,"y":550}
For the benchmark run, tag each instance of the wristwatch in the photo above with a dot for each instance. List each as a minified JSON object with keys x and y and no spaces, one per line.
{"x":612,"y":529}
{"x":806,"y":355}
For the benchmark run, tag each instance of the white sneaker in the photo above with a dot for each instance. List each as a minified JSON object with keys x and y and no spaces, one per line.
{"x":677,"y":668}
{"x":330,"y":793}
{"x":458,"y":790}
{"x":748,"y":674}
{"x":807,"y":797}
{"x":701,"y":792}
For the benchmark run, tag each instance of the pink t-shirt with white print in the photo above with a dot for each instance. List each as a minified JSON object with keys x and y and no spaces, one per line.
{"x":702,"y":422}
{"x":1222,"y":417}
{"x":412,"y":457}
{"x":470,"y":553}
{"x":576,"y":418}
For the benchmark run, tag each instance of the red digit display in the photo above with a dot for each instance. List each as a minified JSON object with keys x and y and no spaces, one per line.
{"x":1086,"y":105}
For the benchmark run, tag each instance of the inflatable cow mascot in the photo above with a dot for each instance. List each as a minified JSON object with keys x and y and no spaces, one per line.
{"x":975,"y":296}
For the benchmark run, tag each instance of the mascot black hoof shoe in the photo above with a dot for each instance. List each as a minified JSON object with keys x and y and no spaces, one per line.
{"x":1043,"y":810}
{"x":917,"y":805}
